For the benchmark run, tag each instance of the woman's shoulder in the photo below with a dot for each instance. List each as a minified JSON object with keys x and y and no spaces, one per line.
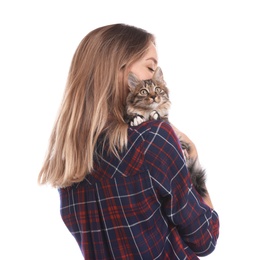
{"x":152,"y":127}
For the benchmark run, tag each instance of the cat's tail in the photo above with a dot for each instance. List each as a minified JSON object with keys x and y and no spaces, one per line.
{"x":199,"y":179}
{"x":198,"y":175}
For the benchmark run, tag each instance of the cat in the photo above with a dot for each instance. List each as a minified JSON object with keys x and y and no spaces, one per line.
{"x":149,"y":100}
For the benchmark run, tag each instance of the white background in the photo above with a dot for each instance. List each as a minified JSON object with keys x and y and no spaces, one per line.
{"x":212,"y":56}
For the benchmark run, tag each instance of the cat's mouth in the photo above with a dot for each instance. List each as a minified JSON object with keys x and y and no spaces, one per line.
{"x":153,"y":104}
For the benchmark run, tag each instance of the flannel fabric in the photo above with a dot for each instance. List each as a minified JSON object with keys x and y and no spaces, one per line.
{"x":142,"y":205}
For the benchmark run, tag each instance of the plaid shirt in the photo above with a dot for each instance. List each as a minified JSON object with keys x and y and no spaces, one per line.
{"x":141,"y":206}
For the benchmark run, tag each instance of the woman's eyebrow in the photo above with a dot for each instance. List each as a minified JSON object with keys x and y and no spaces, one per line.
{"x":153,"y":59}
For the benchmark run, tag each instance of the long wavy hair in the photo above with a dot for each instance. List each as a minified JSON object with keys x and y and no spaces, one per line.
{"x":93,"y":104}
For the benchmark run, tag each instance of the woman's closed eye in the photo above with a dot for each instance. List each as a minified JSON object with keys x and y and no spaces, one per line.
{"x":150,"y":69}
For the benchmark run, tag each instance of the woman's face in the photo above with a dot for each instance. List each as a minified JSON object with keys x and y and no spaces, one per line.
{"x":145,"y":67}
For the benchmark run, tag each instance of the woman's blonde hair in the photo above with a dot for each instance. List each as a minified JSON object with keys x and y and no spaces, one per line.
{"x":93,"y":105}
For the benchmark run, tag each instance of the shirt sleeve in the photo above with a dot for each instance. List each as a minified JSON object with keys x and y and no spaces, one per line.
{"x":197,"y":224}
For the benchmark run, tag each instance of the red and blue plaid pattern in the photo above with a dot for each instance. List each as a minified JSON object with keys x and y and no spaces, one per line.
{"x":141,"y":206}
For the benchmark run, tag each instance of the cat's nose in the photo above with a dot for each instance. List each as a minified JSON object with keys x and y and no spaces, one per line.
{"x":155,"y":99}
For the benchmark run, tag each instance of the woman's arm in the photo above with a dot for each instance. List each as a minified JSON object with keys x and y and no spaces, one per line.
{"x":192,"y":155}
{"x":197,"y":223}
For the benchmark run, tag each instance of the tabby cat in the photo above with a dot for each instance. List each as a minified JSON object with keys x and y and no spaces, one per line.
{"x":149,"y":99}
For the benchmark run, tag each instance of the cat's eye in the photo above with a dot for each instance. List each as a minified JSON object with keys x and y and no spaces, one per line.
{"x":143,"y":92}
{"x":158,"y":90}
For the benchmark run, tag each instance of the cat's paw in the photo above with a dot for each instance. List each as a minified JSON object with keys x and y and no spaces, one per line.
{"x":137,"y":120}
{"x":154,"y":115}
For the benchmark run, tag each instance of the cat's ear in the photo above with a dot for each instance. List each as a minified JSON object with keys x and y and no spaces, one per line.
{"x":158,"y":75}
{"x":132,"y":81}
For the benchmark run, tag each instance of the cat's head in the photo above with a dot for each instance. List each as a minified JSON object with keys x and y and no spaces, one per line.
{"x":148,"y":92}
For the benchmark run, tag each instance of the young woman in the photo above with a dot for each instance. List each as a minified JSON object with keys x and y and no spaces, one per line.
{"x":125,"y":191}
